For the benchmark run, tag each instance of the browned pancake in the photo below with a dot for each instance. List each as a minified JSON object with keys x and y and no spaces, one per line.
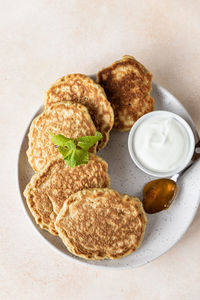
{"x":127,"y":84}
{"x":101,"y":223}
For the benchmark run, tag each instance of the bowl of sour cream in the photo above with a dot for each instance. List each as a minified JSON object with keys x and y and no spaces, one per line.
{"x":161,"y":143}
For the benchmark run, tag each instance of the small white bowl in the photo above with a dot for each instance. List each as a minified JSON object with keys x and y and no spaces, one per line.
{"x":182,"y":122}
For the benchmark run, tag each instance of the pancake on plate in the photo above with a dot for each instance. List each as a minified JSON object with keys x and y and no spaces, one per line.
{"x":48,"y":189}
{"x":67,"y":118}
{"x":39,"y":203}
{"x":127,"y":84}
{"x":82,"y":89}
{"x":101,"y":223}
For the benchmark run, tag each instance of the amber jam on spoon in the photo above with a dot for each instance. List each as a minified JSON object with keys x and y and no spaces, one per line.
{"x":158,"y":195}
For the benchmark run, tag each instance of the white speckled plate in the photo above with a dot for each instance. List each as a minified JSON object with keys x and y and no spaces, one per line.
{"x":164,"y":229}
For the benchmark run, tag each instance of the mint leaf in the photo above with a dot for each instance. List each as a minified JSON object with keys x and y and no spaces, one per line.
{"x":72,"y":155}
{"x":59,"y":139}
{"x":70,"y":145}
{"x":76,"y":157}
{"x":64,"y":151}
{"x":86,"y":142}
{"x":71,"y":160}
{"x":82,"y":156}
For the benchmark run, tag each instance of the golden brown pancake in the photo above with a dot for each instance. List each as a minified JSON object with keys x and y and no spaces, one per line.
{"x":127,"y":84}
{"x":67,"y":118}
{"x":39,"y":203}
{"x":82,"y":89}
{"x":101,"y":223}
{"x":49,"y":188}
{"x":65,"y":180}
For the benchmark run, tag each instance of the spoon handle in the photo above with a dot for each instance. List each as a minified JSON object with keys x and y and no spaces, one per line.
{"x":196,"y":154}
{"x":195,"y":157}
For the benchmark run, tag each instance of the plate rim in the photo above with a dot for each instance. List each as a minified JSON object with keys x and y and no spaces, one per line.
{"x":85,"y":262}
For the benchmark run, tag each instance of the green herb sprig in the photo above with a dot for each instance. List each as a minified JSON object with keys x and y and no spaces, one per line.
{"x":75,"y":151}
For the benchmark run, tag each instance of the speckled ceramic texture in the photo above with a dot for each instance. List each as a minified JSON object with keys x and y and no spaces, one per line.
{"x":163,"y":229}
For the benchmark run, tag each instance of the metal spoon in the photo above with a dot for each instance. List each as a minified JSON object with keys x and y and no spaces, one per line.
{"x":160,"y":193}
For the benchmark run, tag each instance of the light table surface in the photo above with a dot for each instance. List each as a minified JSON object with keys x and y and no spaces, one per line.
{"x":41,"y":41}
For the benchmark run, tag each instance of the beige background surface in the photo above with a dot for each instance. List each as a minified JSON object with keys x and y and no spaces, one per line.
{"x":41,"y":40}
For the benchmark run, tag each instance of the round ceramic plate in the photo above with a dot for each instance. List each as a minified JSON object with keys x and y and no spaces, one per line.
{"x":163,"y":229}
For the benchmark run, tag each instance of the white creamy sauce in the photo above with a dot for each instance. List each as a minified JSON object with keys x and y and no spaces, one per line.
{"x":160,"y":143}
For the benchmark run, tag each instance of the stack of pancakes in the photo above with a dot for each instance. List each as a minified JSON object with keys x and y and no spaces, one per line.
{"x":94,"y":221}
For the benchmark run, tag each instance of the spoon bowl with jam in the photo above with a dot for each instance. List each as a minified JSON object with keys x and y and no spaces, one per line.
{"x":159,"y":194}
